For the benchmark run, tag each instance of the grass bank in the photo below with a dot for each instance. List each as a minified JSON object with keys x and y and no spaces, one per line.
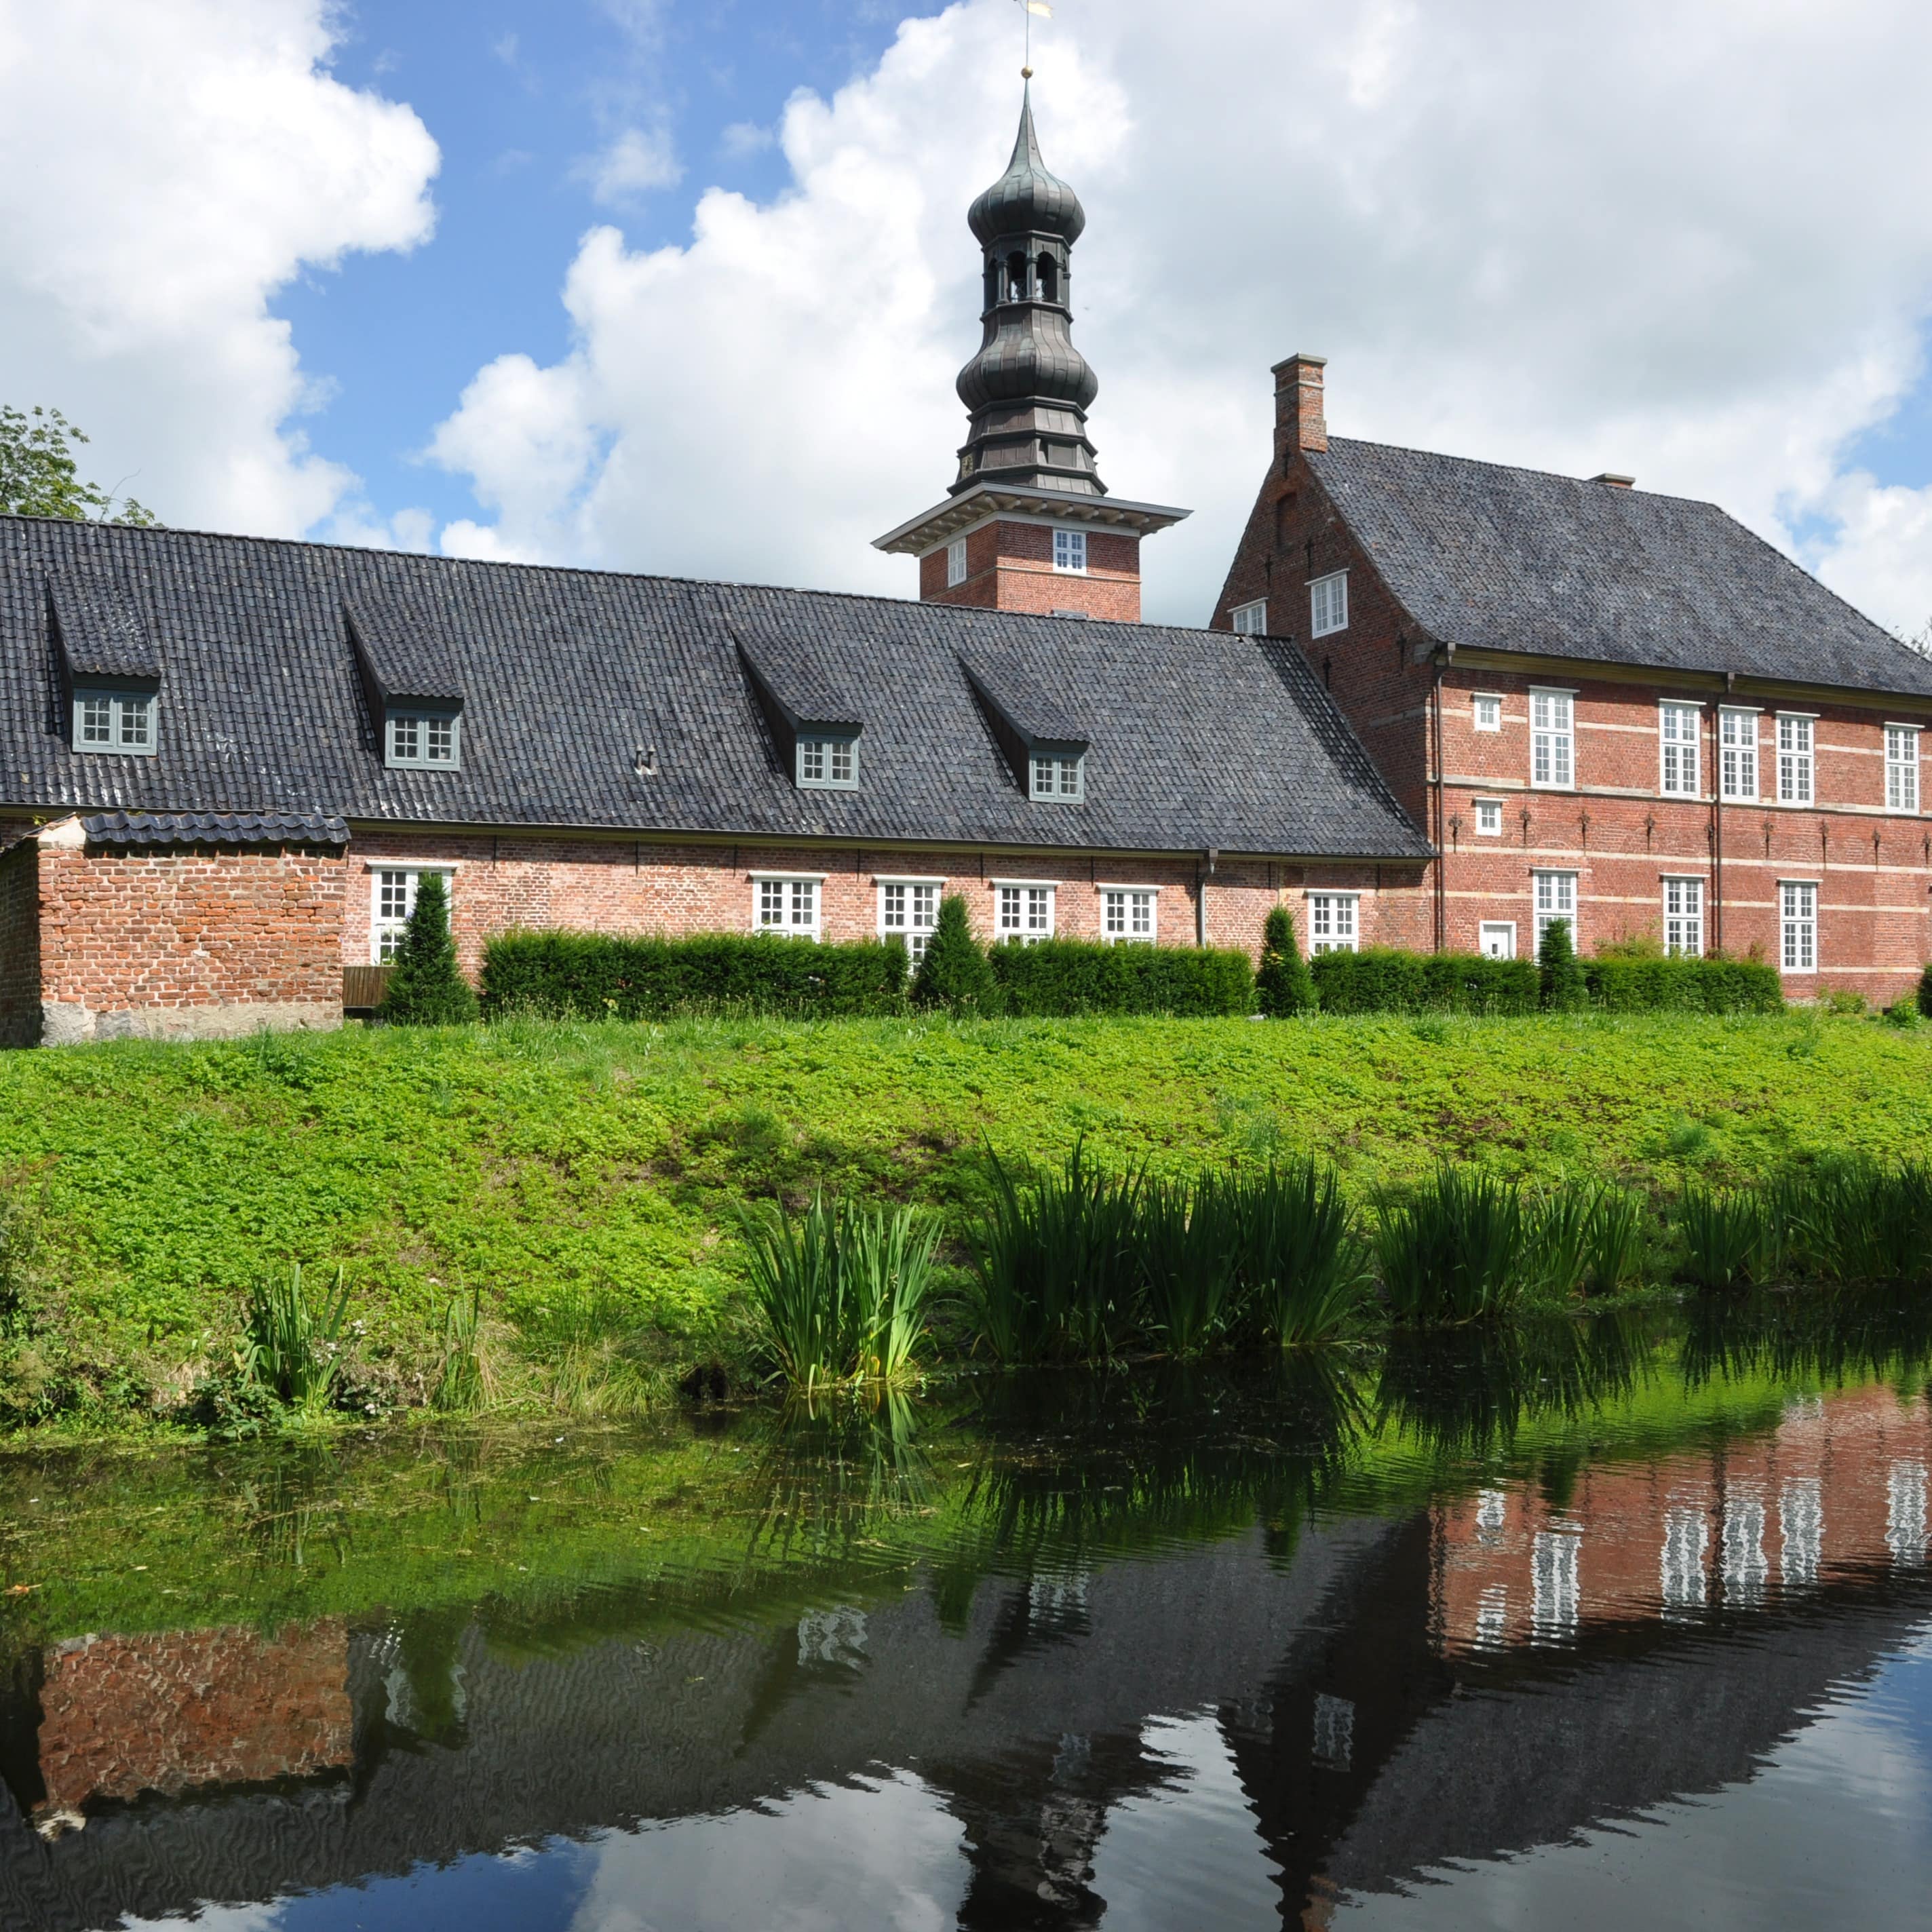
{"x":585,"y":1178}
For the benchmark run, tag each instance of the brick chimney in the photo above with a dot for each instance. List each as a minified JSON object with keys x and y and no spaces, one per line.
{"x":1615,"y":478}
{"x":1299,"y":423}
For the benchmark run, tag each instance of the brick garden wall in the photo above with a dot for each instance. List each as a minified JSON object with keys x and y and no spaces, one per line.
{"x":634,"y":887}
{"x":187,"y":942}
{"x":20,"y":946}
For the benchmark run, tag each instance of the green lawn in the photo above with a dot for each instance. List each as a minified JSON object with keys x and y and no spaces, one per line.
{"x":564,"y":1168}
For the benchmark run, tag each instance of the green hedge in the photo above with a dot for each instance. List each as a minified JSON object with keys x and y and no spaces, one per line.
{"x":1684,"y":985}
{"x":1059,"y":977}
{"x":585,"y":976}
{"x":1380,"y":979}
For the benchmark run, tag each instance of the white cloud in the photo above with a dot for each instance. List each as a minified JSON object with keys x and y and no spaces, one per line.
{"x":746,"y":137}
{"x":1689,"y":243}
{"x":636,"y":161}
{"x":1880,"y":554}
{"x":164,"y":169}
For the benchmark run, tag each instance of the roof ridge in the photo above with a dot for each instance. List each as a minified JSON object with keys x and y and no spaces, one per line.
{"x":1520,"y":469}
{"x":150,"y":531}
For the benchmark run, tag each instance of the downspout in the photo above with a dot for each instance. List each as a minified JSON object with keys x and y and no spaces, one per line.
{"x":1444,"y":658}
{"x":1718,"y":816}
{"x":1209,"y":859}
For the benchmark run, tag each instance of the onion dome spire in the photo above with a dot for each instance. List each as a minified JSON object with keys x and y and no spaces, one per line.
{"x":1028,"y":389}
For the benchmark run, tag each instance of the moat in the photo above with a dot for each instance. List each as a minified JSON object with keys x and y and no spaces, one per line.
{"x":1626,"y":1623}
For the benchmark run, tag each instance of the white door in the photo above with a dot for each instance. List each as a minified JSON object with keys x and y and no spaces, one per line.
{"x":1499,"y":940}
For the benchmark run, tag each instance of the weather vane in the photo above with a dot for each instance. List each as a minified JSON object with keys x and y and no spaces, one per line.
{"x":1029,"y":8}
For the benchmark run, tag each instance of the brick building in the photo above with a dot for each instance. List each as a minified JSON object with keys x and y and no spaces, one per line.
{"x":1602,"y":704}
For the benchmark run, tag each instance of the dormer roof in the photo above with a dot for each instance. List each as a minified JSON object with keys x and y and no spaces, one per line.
{"x":100,"y":628}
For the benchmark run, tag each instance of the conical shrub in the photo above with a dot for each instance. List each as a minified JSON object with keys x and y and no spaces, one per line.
{"x":955,"y":973}
{"x":1284,"y":984}
{"x":426,"y":986}
{"x":1562,"y":972}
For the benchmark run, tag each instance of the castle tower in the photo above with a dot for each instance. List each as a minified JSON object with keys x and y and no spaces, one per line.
{"x":1027,"y":524}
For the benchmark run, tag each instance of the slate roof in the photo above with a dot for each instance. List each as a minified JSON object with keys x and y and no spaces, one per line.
{"x":214,"y":828}
{"x":1199,"y":738}
{"x":1522,"y":560}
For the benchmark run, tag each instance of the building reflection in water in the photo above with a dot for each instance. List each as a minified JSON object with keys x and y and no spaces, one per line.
{"x":1638,"y":1630}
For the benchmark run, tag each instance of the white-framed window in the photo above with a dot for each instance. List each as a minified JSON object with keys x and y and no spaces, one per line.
{"x":1025,"y":912}
{"x":1556,"y":894}
{"x":1128,"y":913}
{"x":1794,"y":758}
{"x":1333,"y":924}
{"x":1328,"y":604}
{"x":908,"y":910}
{"x":1553,"y":739}
{"x":1497,"y":939}
{"x":1250,"y":619}
{"x":1490,"y":818}
{"x":955,"y":563}
{"x":788,"y":903}
{"x":423,"y":738}
{"x":392,"y":897}
{"x":1485,"y":711}
{"x":1797,"y":925}
{"x":828,"y":764}
{"x":1677,"y":727}
{"x":1057,"y":777}
{"x":120,"y":721}
{"x":1901,"y":768}
{"x":1070,"y":551}
{"x":1683,"y":918}
{"x":1737,"y":753}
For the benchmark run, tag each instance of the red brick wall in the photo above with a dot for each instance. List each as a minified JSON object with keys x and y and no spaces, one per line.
{"x":635,"y":887}
{"x":121,"y":1715}
{"x":20,"y":946}
{"x":1010,"y":567}
{"x":1622,"y":838}
{"x":189,"y":940}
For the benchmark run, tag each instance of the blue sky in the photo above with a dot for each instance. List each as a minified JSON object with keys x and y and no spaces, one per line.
{"x":654,"y":285}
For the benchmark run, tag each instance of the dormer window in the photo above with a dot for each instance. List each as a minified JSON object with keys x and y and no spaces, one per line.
{"x":117,"y":721}
{"x":1070,"y":552}
{"x":1250,"y":620}
{"x":423,"y":739}
{"x":828,"y":764}
{"x":1056,"y":778}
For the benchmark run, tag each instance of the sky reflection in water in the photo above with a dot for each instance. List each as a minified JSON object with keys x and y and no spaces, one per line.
{"x":1633,"y":1626}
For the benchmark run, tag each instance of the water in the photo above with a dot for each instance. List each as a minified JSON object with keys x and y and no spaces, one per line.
{"x":1626,"y":1625}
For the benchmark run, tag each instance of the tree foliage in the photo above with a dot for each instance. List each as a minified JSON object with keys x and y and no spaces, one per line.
{"x":1564,"y":987}
{"x":955,"y":973}
{"x":39,"y":476}
{"x":427,"y":987}
{"x":1284,"y":984}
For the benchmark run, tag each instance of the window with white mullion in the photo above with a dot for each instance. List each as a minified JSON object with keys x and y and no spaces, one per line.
{"x":909,"y":909}
{"x":1250,"y":620}
{"x":1025,"y":914}
{"x":1901,"y":768}
{"x":1553,"y":740}
{"x":787,"y":907}
{"x":1328,"y":604}
{"x":1737,"y":754}
{"x":1333,"y":924}
{"x":1798,"y":922}
{"x":1683,"y":918}
{"x":1677,"y":727}
{"x":1795,"y":760}
{"x":1555,"y":899}
{"x":1127,"y":913}
{"x":393,"y":899}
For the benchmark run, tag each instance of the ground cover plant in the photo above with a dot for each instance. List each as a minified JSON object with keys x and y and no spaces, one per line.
{"x":582,"y":1181}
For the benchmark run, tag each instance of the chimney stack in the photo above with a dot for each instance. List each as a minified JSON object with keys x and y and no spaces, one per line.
{"x":1614,"y":479}
{"x":1299,"y":423}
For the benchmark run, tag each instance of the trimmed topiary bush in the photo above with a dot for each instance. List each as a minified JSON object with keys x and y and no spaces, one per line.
{"x":1059,"y":978}
{"x":1564,"y":988}
{"x":585,"y":975}
{"x":1713,"y":985}
{"x":426,"y":986}
{"x":954,"y":975}
{"x":1282,"y":986}
{"x":1925,"y":992}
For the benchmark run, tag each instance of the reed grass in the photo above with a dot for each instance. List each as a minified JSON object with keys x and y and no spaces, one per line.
{"x":1730,"y":1238}
{"x":1188,"y":1244}
{"x":841,"y":1291}
{"x":1458,"y":1249}
{"x":463,"y":1380}
{"x":291,"y":1345}
{"x":1303,"y":1270}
